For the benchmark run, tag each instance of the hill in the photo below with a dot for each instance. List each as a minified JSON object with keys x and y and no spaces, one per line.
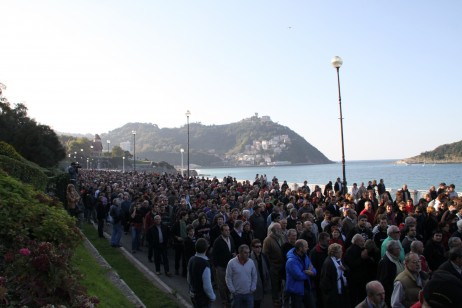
{"x":249,"y":142}
{"x":443,"y":154}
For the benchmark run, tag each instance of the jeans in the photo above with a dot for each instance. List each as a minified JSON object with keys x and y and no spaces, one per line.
{"x":242,"y":300}
{"x":116,"y":234}
{"x":136,"y":238}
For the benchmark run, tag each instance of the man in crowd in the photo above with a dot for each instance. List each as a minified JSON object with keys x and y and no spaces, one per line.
{"x":408,"y":283}
{"x":272,"y":248}
{"x":241,"y":278}
{"x":223,"y":251}
{"x":375,"y":296}
{"x":200,"y":277}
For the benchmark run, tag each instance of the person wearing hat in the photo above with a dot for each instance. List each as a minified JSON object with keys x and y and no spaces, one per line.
{"x":442,"y":291}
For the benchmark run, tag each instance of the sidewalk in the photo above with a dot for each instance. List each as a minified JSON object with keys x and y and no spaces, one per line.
{"x":175,"y":285}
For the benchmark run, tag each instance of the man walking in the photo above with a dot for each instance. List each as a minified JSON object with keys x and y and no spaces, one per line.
{"x":200,"y":277}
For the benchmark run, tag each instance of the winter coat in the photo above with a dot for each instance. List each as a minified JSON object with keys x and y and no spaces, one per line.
{"x":295,"y":276}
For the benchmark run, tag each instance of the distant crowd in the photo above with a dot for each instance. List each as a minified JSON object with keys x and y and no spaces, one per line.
{"x":306,"y":247}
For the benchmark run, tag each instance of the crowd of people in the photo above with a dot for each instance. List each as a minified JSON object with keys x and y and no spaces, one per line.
{"x":305,"y":246}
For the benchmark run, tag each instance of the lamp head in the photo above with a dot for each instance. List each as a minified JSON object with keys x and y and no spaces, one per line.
{"x":337,"y":62}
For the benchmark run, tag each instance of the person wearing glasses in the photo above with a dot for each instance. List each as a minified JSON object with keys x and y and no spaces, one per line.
{"x":393,"y":233}
{"x":261,"y":263}
{"x":408,"y":283}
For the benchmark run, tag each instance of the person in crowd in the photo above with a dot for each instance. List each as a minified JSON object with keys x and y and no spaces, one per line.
{"x":158,"y":237}
{"x":369,"y":212}
{"x":317,"y":256}
{"x":349,"y":222}
{"x":380,"y":230}
{"x":189,"y":245}
{"x":336,"y":237}
{"x":223,"y":251}
{"x":136,"y":222}
{"x":308,"y":234}
{"x":241,"y":278}
{"x":393,"y":234}
{"x":258,"y":222}
{"x":411,"y":233}
{"x":442,"y":291}
{"x":434,"y":250}
{"x":361,"y":228}
{"x":389,"y":267}
{"x":237,"y":233}
{"x":200,"y":277}
{"x":179,"y":235}
{"x":375,"y":296}
{"x":101,"y":215}
{"x":73,"y":198}
{"x":355,"y":261}
{"x":116,"y":214}
{"x":408,"y":283}
{"x":333,"y":281}
{"x":298,"y":272}
{"x":458,"y":232}
{"x":272,"y":248}
{"x":454,"y":264}
{"x":261,"y":263}
{"x":417,"y":247}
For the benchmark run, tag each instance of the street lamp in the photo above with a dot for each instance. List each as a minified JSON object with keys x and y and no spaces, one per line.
{"x":337,"y":62}
{"x":188,"y":113}
{"x":134,"y":163}
{"x":182,"y":151}
{"x":87,"y":162}
{"x":123,"y":164}
{"x":109,"y":141}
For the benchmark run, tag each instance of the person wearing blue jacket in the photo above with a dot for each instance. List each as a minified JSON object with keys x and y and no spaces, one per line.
{"x":298,"y":272}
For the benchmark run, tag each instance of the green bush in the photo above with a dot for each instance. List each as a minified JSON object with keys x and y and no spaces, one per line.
{"x":37,"y":241}
{"x":18,"y":167}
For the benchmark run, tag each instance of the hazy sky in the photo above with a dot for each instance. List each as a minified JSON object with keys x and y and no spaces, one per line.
{"x":92,"y":66}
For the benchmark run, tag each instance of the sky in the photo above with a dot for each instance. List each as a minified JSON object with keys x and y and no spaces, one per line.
{"x":93,"y":66}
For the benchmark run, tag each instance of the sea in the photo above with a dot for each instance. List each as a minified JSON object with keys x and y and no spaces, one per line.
{"x":416,"y":176}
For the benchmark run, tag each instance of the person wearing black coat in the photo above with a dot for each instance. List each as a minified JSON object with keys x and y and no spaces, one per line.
{"x":355,"y":260}
{"x":455,"y":259}
{"x":157,"y":237}
{"x":434,"y":251}
{"x":333,"y":282}
{"x":389,"y":267}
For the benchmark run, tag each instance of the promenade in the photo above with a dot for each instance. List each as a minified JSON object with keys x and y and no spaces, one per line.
{"x":175,"y":285}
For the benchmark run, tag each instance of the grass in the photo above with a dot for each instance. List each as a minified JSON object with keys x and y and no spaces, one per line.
{"x":96,"y":282}
{"x":149,"y":294}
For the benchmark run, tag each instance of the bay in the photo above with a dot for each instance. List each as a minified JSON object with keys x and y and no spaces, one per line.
{"x":417,"y":176}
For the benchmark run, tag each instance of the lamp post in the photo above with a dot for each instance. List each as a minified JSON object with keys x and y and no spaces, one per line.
{"x":123,"y":164}
{"x":182,"y":151}
{"x":188,"y":113}
{"x":337,"y":63}
{"x":109,"y":141}
{"x":87,"y":162}
{"x":134,"y":139}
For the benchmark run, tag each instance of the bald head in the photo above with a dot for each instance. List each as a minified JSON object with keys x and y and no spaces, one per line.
{"x":375,"y":292}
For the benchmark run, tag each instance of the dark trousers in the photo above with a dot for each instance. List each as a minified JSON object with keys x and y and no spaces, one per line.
{"x":201,"y":302}
{"x":160,"y":251}
{"x":179,"y":256}
{"x":101,"y":228}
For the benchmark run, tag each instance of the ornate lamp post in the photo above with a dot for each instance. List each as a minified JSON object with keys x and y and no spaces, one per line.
{"x":337,"y":63}
{"x":123,"y":164}
{"x":182,"y":151}
{"x":134,"y":139}
{"x":188,"y":113}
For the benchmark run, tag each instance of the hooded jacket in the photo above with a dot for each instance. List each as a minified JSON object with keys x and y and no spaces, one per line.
{"x":295,"y":276}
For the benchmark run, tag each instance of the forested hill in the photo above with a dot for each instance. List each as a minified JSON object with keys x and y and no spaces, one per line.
{"x":446,"y":153}
{"x":250,"y":142}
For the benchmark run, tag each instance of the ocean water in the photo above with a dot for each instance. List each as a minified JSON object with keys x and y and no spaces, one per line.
{"x":417,"y":177}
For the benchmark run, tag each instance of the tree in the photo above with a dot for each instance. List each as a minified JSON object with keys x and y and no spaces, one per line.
{"x":35,"y":142}
{"x":117,"y":151}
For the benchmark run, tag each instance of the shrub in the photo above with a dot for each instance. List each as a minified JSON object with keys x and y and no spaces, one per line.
{"x":37,"y":239}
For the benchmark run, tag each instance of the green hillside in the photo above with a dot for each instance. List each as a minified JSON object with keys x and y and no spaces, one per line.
{"x":444,"y":154}
{"x":252,"y":141}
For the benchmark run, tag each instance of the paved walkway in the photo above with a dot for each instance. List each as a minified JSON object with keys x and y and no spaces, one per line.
{"x":175,"y":285}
